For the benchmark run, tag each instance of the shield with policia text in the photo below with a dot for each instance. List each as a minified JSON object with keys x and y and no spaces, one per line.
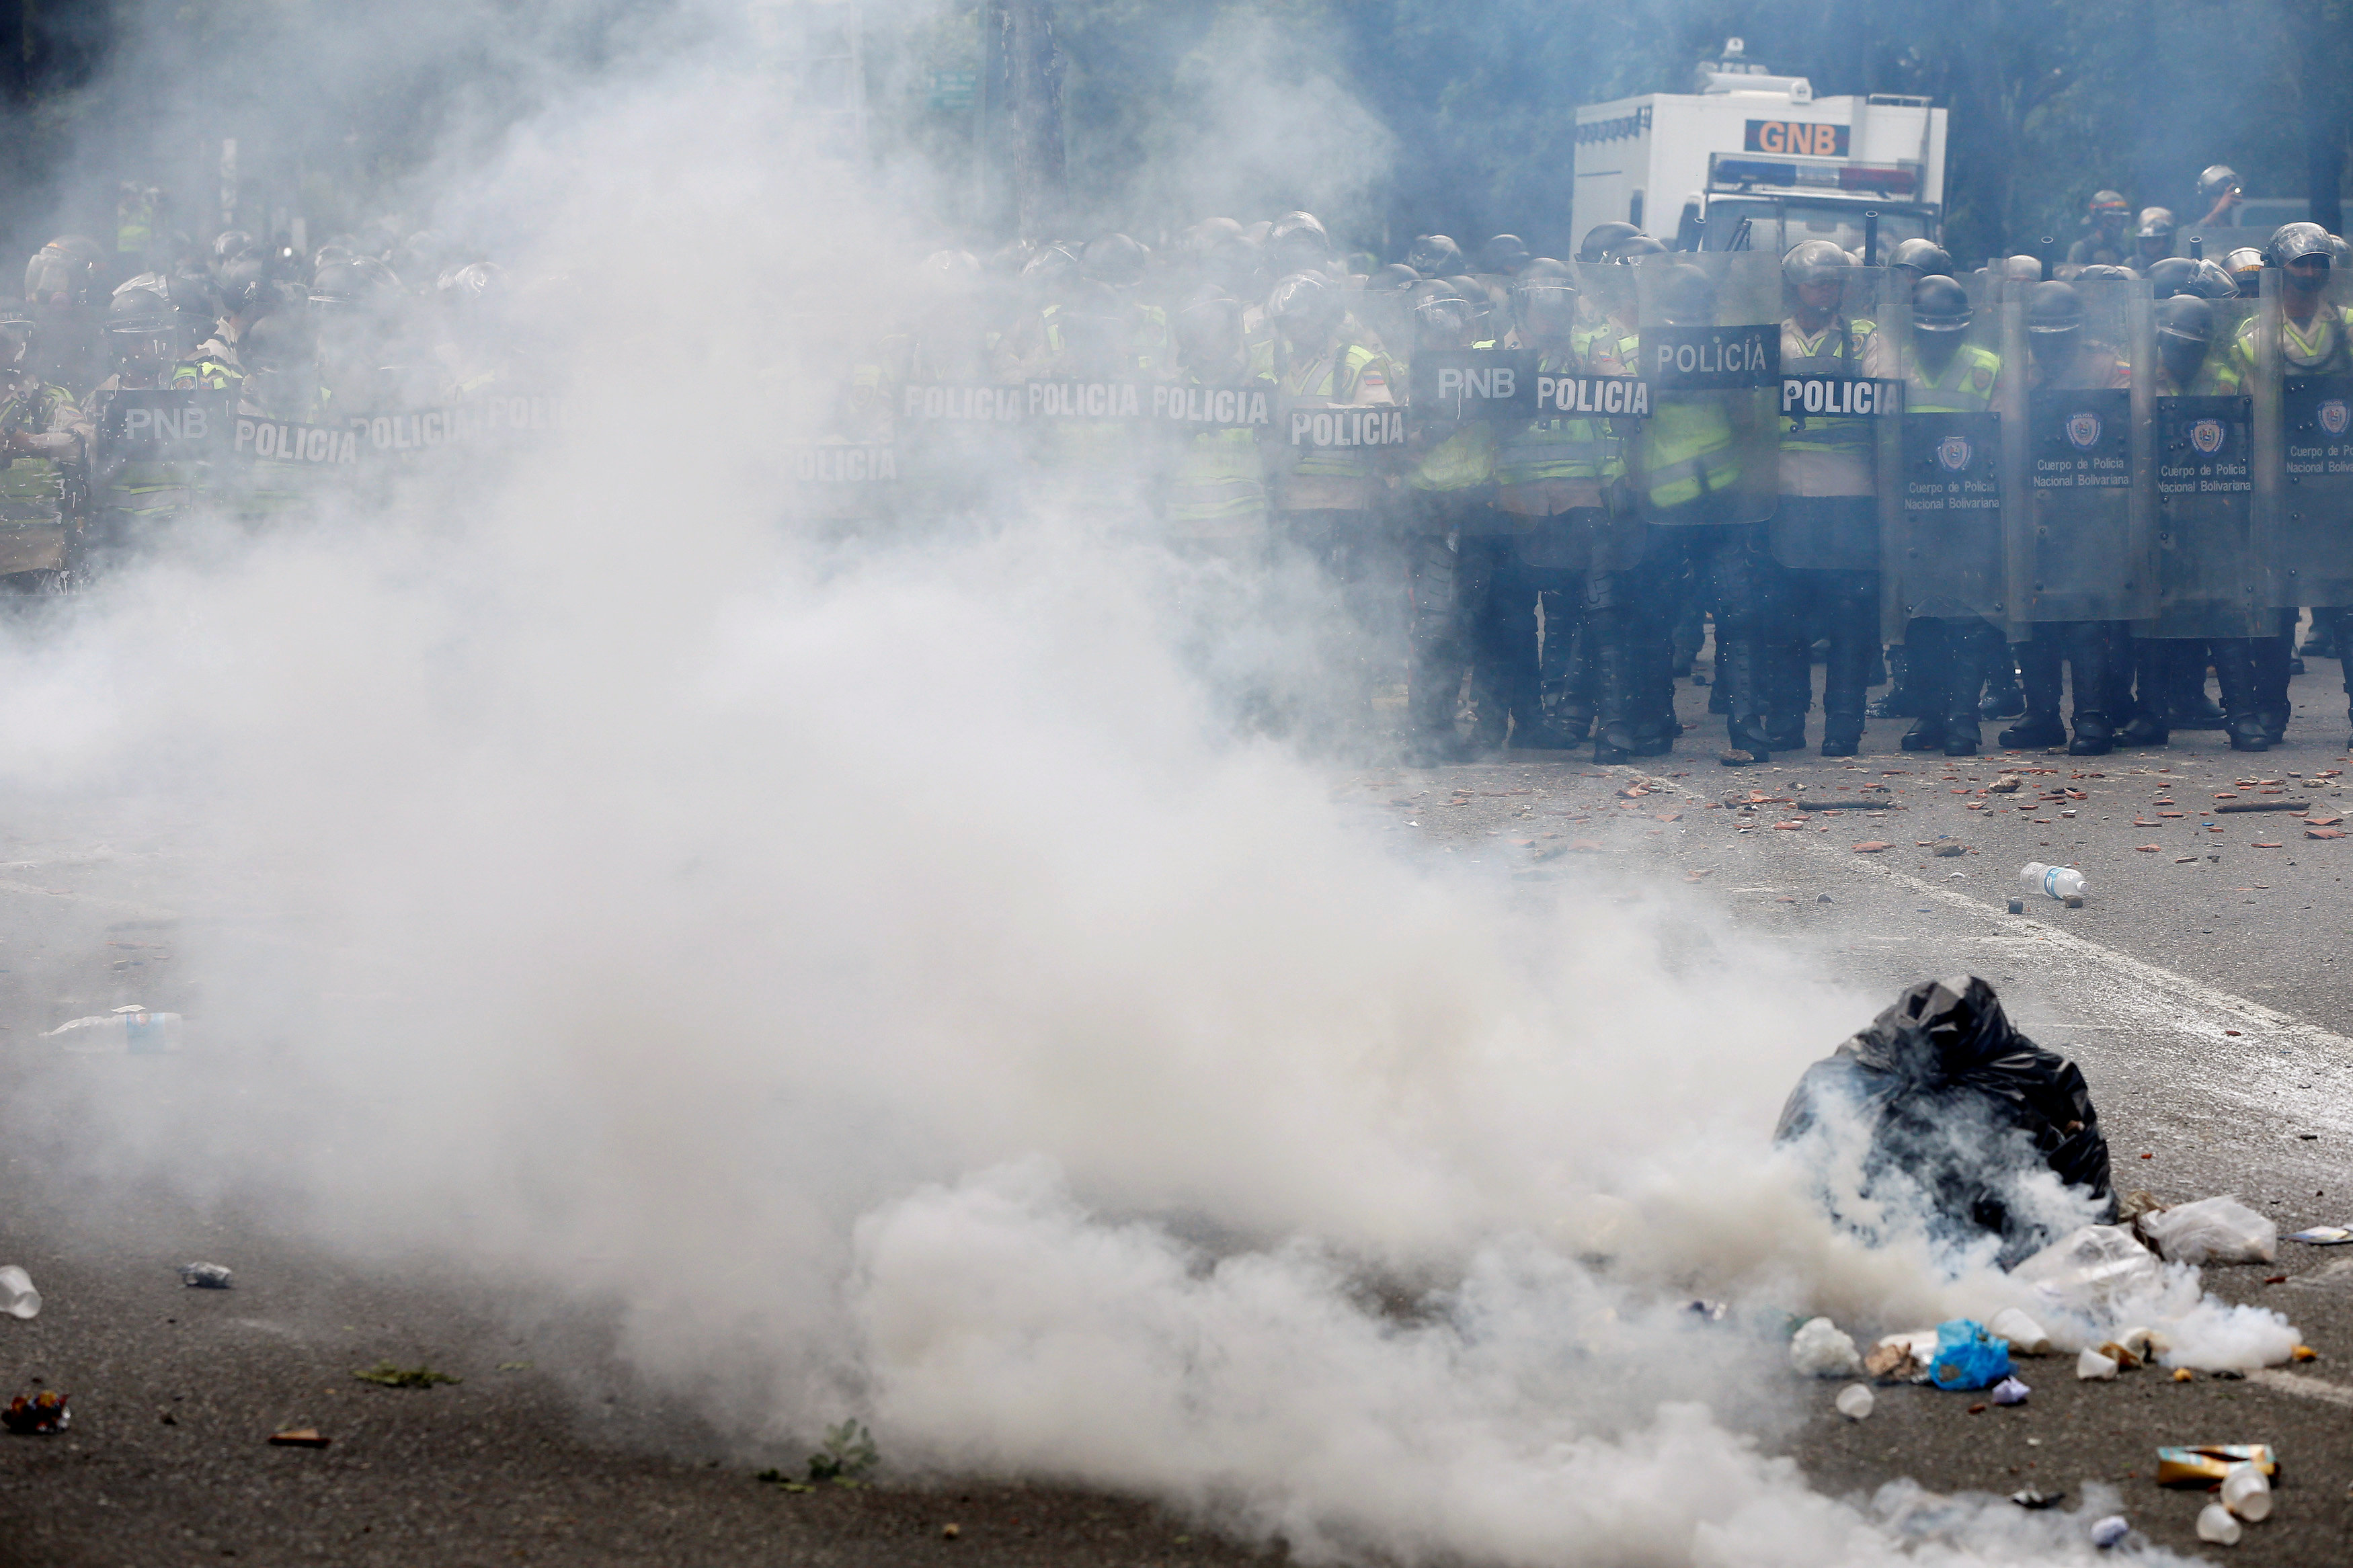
{"x":1840,"y":406}
{"x":2210,"y":580}
{"x":1943,"y":555}
{"x":1709,"y":346}
{"x":2299,"y":351}
{"x":2081,"y":545}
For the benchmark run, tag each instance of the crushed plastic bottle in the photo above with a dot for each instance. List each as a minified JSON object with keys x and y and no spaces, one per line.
{"x":2247,"y":1493}
{"x":2088,"y":1268}
{"x":1855,"y":1401}
{"x":207,"y":1276}
{"x":2056,"y":881}
{"x":2108,"y":1531}
{"x":2216,"y":1524}
{"x":18,"y":1297}
{"x":126,"y":1031}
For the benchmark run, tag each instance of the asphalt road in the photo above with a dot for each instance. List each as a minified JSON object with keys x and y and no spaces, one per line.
{"x":2197,"y":985}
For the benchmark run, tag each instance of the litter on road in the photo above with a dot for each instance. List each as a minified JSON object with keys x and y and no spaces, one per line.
{"x":18,"y":1297}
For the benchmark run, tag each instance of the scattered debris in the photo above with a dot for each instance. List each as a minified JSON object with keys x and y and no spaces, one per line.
{"x":2008,"y":783}
{"x":2206,"y":1466}
{"x":2025,"y":1335}
{"x":2215,"y":1524}
{"x":2091,"y":1366}
{"x":2010,"y":1391}
{"x":18,"y":1297}
{"x":2303,"y":1353}
{"x":43,"y":1416}
{"x":385,"y":1374}
{"x":2323,"y":833}
{"x":2018,"y":906}
{"x":1950,"y":849}
{"x":130,"y":1030}
{"x":1847,"y":805}
{"x":1872,"y":846}
{"x":207,"y":1276}
{"x":2247,"y":1492}
{"x":2051,"y":881}
{"x":300,"y":1438}
{"x":1896,"y":1359}
{"x":2110,"y":1531}
{"x":2037,"y":1500}
{"x":2183,"y":1374}
{"x":1967,"y":1357}
{"x":2263,"y":806}
{"x":2089,"y":1268}
{"x":1822,"y":1348}
{"x":950,"y":1531}
{"x":2211,"y":1230}
{"x":1855,"y":1401}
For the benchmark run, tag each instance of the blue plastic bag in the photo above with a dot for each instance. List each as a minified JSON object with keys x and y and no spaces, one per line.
{"x":1967,"y":1356}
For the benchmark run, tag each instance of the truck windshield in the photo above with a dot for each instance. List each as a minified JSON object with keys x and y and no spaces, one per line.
{"x":1775,"y":223}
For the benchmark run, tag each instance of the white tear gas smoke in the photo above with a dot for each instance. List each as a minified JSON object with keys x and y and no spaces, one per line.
{"x":866,"y":963}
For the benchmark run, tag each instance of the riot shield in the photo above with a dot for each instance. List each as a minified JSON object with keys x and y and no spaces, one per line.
{"x":2210,"y":576}
{"x":2082,"y":547}
{"x":1709,"y":330}
{"x":2302,"y":383}
{"x":1841,"y":408}
{"x":1943,"y":554}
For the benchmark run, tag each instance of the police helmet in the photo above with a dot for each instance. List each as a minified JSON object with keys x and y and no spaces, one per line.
{"x":1925,"y":257}
{"x":1393,"y":278}
{"x":1115,"y":260}
{"x":230,"y":244}
{"x":1434,"y":256}
{"x":2102,"y":271}
{"x":140,"y":313}
{"x":1472,"y":289}
{"x":1940,"y":305}
{"x":1300,"y":240}
{"x":1635,"y":246}
{"x":1303,"y":305}
{"x":2022,"y":269}
{"x":1209,"y":327}
{"x":1601,"y":237}
{"x":2294,"y":241}
{"x":2155,"y":223}
{"x":63,"y":271}
{"x":2106,"y":204}
{"x":1504,"y":253}
{"x":1686,"y":296}
{"x":2187,"y":317}
{"x":358,"y":284}
{"x":2053,"y":307}
{"x":2245,"y":266}
{"x":274,"y":343}
{"x":469,"y":286}
{"x":1543,"y":284}
{"x":1439,"y":309}
{"x":2216,"y":179}
{"x":2170,"y":275}
{"x":1814,"y":261}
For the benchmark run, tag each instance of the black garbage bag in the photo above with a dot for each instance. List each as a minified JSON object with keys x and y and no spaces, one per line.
{"x":1958,"y":1105}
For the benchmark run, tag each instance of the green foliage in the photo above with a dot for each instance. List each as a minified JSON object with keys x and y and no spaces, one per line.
{"x":848,"y":1458}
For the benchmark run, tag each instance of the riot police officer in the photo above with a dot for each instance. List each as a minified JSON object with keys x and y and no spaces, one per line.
{"x":1434,"y":256}
{"x":2106,"y":215}
{"x":1917,"y":259}
{"x":2066,"y":357}
{"x":2218,"y":187}
{"x":1458,"y":552}
{"x":1826,"y":531}
{"x":1953,"y":570}
{"x":2152,"y":237}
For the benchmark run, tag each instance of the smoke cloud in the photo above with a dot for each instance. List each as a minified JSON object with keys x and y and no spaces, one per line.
{"x":877,"y":964}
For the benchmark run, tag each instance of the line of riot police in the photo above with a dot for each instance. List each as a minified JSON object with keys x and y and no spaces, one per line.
{"x":1524,"y":484}
{"x":249,"y":382}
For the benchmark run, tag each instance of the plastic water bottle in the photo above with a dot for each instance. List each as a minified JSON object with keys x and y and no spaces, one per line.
{"x":2058,"y":881}
{"x":2246,"y":1493}
{"x":132,"y":1031}
{"x":18,"y":1297}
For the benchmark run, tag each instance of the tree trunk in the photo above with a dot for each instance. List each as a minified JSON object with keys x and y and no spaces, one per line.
{"x":1033,"y":116}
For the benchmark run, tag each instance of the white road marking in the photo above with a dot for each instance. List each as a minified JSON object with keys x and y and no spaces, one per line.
{"x":2304,"y":1384}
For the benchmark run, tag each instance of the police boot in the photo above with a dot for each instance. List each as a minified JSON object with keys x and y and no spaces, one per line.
{"x":1530,"y":730}
{"x":2234,"y":672}
{"x":2088,"y":651}
{"x":1926,"y":654}
{"x":2004,"y":696}
{"x":2153,"y":663}
{"x":1571,"y":691}
{"x":1739,"y":669}
{"x":1898,"y":701}
{"x":1964,"y":667}
{"x":1843,"y":679}
{"x":2187,"y":706}
{"x":1655,"y":724}
{"x":2038,"y":666}
{"x":1613,"y":694}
